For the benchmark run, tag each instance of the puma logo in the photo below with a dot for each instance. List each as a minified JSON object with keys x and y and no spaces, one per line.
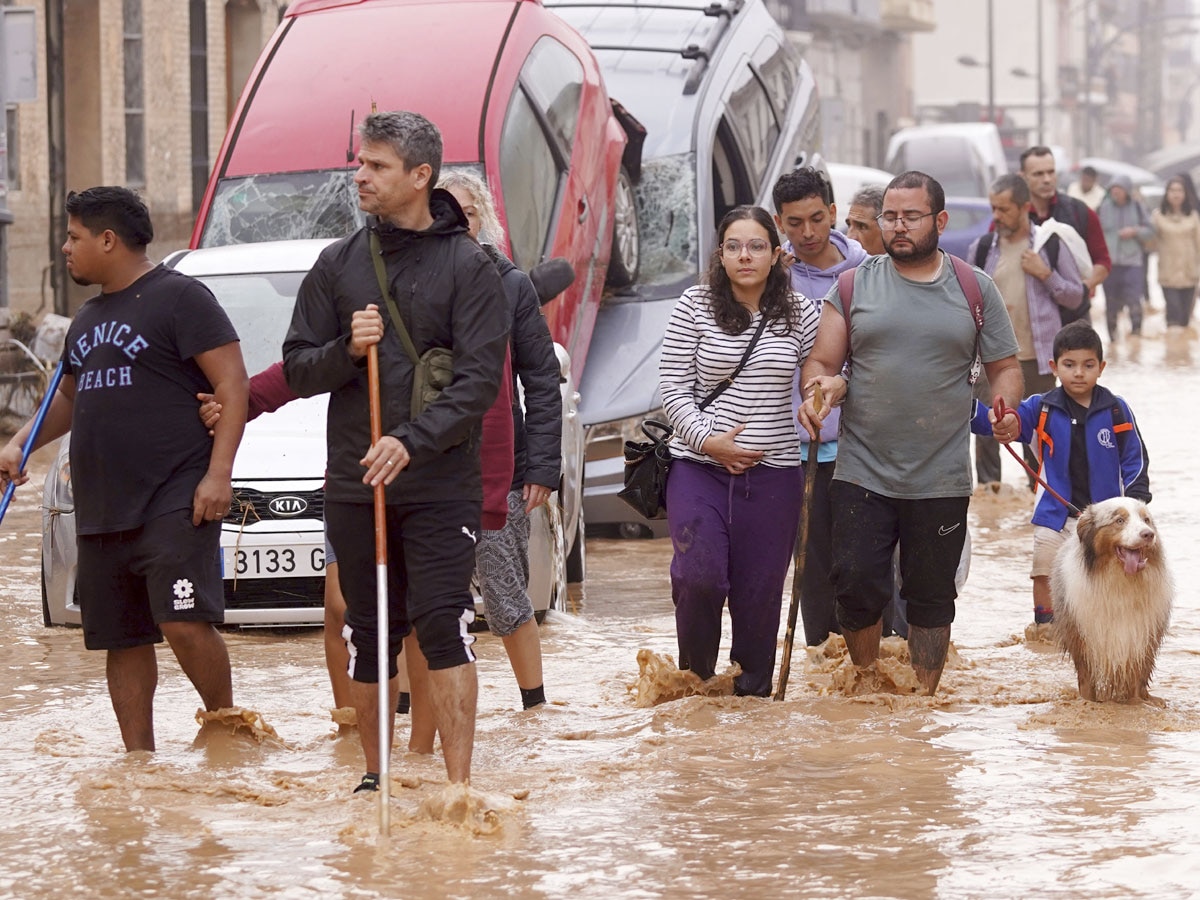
{"x":943,"y":530}
{"x":469,"y":534}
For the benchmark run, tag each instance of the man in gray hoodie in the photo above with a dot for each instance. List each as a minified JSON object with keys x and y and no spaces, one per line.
{"x":1126,"y":229}
{"x":805,"y":213}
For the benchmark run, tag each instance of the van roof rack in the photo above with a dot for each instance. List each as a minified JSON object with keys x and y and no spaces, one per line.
{"x":701,"y":54}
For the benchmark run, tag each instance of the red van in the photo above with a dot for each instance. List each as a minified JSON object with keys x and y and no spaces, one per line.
{"x":518,"y":97}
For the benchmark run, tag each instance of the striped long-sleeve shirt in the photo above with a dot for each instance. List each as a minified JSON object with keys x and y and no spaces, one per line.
{"x":697,"y":355}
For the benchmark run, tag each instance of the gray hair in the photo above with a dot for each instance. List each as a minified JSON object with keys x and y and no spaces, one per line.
{"x":1010,"y":181}
{"x":411,"y":136}
{"x":490,"y":229}
{"x":870,"y":196}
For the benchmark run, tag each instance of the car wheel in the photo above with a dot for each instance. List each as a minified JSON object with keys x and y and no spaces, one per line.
{"x":45,"y":603}
{"x":626,"y":241}
{"x":577,"y":559}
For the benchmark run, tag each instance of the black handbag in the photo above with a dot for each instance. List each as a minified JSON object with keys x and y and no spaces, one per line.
{"x":647,"y":463}
{"x":646,"y":466}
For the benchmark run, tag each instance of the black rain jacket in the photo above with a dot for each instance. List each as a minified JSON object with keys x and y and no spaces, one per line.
{"x":449,"y":295}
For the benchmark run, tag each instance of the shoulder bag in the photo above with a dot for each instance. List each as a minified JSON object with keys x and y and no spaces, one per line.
{"x":433,"y":370}
{"x":648,"y":462}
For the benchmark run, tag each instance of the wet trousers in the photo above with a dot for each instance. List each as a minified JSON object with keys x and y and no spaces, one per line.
{"x":733,"y":537}
{"x":866,"y":529}
{"x":817,"y":610}
{"x":1179,"y":303}
{"x":1123,"y":288}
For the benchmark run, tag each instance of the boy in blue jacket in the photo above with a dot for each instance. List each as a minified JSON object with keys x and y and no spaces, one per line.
{"x":1088,"y":448}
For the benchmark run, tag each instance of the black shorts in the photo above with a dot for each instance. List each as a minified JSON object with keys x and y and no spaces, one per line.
{"x":431,"y":557}
{"x":866,"y":528}
{"x":168,"y":570}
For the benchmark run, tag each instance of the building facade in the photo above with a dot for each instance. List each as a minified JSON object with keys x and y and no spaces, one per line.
{"x":132,"y":92}
{"x":861,"y":55}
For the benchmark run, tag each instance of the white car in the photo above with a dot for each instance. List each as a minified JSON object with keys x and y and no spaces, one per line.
{"x":273,"y":543}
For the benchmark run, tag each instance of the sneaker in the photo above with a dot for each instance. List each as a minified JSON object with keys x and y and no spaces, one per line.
{"x":370,"y":782}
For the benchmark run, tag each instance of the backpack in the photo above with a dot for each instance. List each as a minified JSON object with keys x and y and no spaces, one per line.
{"x":1121,"y":428}
{"x":970,"y":287}
{"x":1053,"y":245}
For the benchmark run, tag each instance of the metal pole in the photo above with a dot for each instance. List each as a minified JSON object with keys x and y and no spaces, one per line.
{"x":991,"y":65}
{"x":1041,"y":103}
{"x":1087,"y":78}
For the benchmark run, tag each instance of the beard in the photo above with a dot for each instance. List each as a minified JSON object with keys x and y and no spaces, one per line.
{"x":917,"y":250}
{"x":80,"y":280}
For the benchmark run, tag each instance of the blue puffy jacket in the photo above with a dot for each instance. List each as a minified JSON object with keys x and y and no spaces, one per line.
{"x":1118,"y":464}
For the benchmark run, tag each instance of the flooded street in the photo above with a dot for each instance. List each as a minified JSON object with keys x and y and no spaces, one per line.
{"x":1005,"y":784}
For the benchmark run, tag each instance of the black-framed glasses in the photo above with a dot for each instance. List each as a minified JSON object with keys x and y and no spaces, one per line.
{"x":887,"y":221}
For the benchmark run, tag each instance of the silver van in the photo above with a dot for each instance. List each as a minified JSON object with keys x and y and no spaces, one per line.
{"x":728,"y":105}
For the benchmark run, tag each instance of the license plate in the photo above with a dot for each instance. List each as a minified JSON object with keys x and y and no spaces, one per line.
{"x":272,"y":562}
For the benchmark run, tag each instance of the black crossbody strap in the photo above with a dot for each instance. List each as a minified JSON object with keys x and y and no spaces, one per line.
{"x":381,"y":274}
{"x":725,"y":383}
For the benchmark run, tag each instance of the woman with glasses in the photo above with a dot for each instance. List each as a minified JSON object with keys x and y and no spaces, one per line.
{"x":733,"y":496}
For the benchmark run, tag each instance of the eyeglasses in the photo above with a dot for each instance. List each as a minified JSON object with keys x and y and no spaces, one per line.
{"x":755,"y":247}
{"x":888,"y":221}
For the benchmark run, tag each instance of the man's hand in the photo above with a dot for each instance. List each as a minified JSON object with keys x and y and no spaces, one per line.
{"x":210,"y":411}
{"x":534,"y":496}
{"x":366,"y":328}
{"x":1033,"y":264}
{"x":833,"y":393}
{"x":384,"y":460}
{"x":10,"y":465}
{"x":1129,"y":231}
{"x":724,"y":449}
{"x":211,"y":501}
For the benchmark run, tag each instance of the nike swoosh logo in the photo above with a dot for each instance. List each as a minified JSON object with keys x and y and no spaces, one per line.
{"x":943,"y":530}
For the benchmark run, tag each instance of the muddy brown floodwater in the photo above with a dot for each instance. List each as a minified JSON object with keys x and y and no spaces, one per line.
{"x":1004,"y":785}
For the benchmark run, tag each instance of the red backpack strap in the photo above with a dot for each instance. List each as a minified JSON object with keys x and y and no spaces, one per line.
{"x":846,"y":290}
{"x":970,"y":286}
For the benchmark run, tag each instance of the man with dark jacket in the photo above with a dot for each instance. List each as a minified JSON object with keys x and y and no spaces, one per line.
{"x":447,"y":294}
{"x":1047,"y":201}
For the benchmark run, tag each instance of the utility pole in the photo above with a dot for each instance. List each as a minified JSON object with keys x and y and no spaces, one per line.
{"x":1041,"y":100}
{"x":1087,"y":78}
{"x":991,"y":73}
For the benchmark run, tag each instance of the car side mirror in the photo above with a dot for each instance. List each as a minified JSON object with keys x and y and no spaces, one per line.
{"x":551,"y":278}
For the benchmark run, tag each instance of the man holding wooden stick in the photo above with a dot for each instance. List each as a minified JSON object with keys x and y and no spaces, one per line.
{"x":445,"y":293}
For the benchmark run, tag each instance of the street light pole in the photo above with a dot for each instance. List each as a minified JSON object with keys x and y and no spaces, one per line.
{"x":991,"y":50}
{"x":1041,"y":103}
{"x":1087,"y":78}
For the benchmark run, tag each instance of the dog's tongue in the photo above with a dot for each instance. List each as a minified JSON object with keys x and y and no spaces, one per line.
{"x":1133,"y":560}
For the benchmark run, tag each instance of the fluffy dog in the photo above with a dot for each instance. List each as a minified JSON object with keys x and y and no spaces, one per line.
{"x":1112,"y":596}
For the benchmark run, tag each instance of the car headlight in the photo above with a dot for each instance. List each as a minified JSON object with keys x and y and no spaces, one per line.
{"x":606,"y":440}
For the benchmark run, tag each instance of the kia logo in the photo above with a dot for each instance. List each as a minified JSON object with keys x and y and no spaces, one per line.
{"x":287,"y":506}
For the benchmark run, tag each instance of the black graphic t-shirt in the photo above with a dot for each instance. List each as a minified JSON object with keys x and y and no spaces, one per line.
{"x":138,"y":447}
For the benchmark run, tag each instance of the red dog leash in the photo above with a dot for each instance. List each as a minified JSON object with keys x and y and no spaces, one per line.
{"x":999,"y":410}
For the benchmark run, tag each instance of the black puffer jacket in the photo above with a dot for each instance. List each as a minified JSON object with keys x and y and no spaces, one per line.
{"x":449,"y":295}
{"x":537,"y":430}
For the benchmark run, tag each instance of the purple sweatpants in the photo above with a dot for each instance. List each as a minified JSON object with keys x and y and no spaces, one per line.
{"x":733,"y":537}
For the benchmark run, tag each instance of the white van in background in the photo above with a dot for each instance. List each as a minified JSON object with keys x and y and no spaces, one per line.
{"x":965,"y":156}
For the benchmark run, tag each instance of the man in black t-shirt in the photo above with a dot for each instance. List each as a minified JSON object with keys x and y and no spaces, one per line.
{"x":150,"y":487}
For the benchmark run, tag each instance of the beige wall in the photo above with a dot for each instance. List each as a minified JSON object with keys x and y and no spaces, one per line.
{"x":95,"y":121}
